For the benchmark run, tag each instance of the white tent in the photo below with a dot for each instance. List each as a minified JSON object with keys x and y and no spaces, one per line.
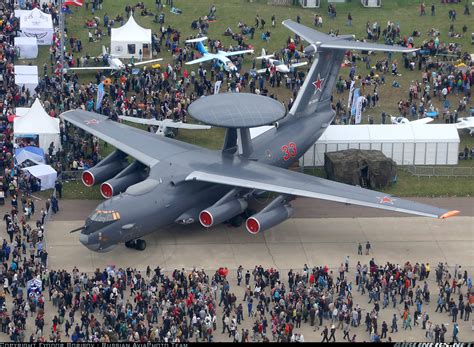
{"x":25,"y":70}
{"x":34,"y":154}
{"x":45,"y":173}
{"x":37,"y":24}
{"x":21,"y":111}
{"x":129,"y":39}
{"x":27,"y":47}
{"x":38,"y":122}
{"x":26,"y":75}
{"x":406,"y":144}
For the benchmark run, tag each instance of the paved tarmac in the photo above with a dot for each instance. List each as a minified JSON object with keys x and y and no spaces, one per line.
{"x":289,"y":245}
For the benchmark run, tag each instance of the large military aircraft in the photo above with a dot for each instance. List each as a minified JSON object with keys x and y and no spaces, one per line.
{"x":221,"y":56}
{"x":175,"y":182}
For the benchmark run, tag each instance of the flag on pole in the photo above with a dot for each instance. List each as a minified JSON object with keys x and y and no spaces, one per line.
{"x":100,"y":96}
{"x":73,"y":3}
{"x":217,"y":86}
{"x":358,"y":115}
{"x":354,"y":101}
{"x":351,"y":91}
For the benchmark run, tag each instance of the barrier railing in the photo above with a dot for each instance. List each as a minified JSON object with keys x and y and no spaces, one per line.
{"x":440,"y":171}
{"x":72,"y":175}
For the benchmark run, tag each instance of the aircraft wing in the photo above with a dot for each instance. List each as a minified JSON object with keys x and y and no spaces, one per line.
{"x":229,"y":54}
{"x":146,"y":62}
{"x":93,"y":68}
{"x":295,"y":65}
{"x":207,"y":57}
{"x":145,"y":147}
{"x":167,"y":123}
{"x":189,"y":126}
{"x":144,"y":121}
{"x":465,"y":123}
{"x":254,"y":175}
{"x":425,"y":120}
{"x":259,"y":71}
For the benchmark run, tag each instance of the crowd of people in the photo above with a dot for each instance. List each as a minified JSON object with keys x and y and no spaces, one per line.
{"x":125,"y":304}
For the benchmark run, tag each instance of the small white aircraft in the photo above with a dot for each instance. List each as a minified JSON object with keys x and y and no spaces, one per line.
{"x":114,"y":63}
{"x":466,"y":123}
{"x":403,"y":120}
{"x":279,"y":65}
{"x":166,"y":127}
{"x":221,"y":56}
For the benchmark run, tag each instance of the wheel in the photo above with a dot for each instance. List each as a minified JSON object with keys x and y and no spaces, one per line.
{"x":237,"y":221}
{"x":140,"y":245}
{"x":130,"y":244}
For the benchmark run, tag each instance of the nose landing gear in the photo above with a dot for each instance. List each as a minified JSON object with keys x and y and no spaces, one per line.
{"x":138,"y":244}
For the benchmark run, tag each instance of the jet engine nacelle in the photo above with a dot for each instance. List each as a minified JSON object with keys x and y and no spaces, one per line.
{"x":219,"y":213}
{"x":267,"y":219}
{"x":132,"y":174}
{"x":105,"y":169}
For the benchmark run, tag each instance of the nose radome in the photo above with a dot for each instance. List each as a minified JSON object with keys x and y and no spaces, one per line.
{"x":84,"y":239}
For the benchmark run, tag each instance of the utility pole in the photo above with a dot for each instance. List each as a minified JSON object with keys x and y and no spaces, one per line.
{"x":61,"y":40}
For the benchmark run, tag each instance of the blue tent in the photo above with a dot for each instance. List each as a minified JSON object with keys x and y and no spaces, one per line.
{"x":35,"y":154}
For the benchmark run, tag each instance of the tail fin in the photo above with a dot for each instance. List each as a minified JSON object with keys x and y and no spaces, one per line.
{"x":324,"y":71}
{"x":201,"y":48}
{"x":264,"y":55}
{"x":199,"y":44}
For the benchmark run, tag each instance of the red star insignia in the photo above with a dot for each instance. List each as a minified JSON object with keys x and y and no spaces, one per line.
{"x":92,"y":122}
{"x":385,"y":200}
{"x":318,"y":83}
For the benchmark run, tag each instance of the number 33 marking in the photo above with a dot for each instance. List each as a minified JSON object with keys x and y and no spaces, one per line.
{"x":289,"y":151}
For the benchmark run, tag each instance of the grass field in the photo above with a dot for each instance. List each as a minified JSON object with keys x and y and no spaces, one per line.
{"x":230,"y":12}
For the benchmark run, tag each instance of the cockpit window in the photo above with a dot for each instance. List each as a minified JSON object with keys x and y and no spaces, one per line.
{"x":105,"y":216}
{"x":276,"y":62}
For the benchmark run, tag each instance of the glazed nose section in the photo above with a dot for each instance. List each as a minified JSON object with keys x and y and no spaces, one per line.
{"x":85,"y":240}
{"x":284,"y":68}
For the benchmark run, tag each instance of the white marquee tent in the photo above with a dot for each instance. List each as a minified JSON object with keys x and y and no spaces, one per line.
{"x":129,"y":39}
{"x":26,"y":75}
{"x":27,"y":47}
{"x":38,"y":24}
{"x":38,"y":122}
{"x":406,"y":144}
{"x":45,"y":173}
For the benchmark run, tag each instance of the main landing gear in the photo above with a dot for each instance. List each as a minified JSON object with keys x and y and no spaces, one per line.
{"x":138,"y":244}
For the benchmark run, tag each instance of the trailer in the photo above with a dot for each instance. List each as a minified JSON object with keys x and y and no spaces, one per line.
{"x":371,"y":3}
{"x":310,"y":3}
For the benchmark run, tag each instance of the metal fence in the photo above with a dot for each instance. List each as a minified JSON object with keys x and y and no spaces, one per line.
{"x":440,"y":171}
{"x":70,"y":175}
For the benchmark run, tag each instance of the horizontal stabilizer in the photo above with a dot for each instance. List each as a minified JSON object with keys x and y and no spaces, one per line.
{"x":93,"y":68}
{"x":146,"y":62}
{"x":321,"y":40}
